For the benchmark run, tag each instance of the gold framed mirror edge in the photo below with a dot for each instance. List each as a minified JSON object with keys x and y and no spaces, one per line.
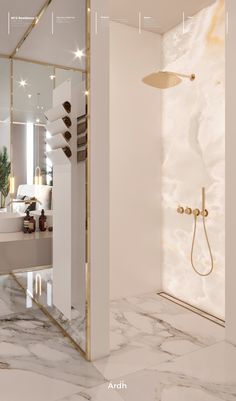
{"x":87,"y":352}
{"x":88,"y":181}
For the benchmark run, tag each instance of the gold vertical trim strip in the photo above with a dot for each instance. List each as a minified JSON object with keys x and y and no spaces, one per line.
{"x":11,"y":114}
{"x":88,"y":231}
{"x":31,"y":27}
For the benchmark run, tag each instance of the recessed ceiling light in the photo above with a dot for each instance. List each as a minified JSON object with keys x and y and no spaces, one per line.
{"x":37,"y":120}
{"x":38,"y":107}
{"x":29,"y":96}
{"x":52,"y":77}
{"x":79,"y":53}
{"x":23,"y":83}
{"x":41,"y":107}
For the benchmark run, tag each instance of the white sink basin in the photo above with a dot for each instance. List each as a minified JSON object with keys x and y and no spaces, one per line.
{"x":11,"y":222}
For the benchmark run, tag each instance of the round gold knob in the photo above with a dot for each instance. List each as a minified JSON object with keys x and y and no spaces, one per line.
{"x":196,"y":212}
{"x":188,"y":210}
{"x":180,"y":210}
{"x":204,"y":213}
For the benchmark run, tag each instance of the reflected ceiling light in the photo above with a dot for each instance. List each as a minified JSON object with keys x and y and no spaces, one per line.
{"x":52,"y":77}
{"x":38,"y":179}
{"x":11,"y":184}
{"x":29,"y":96}
{"x":23,"y":83}
{"x":79,"y":53}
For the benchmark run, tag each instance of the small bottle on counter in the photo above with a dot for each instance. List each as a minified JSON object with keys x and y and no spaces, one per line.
{"x":26,"y":222}
{"x":32,"y":225}
{"x":42,"y":221}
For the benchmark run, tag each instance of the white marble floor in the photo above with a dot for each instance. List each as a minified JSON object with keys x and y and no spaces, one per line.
{"x":160,"y":352}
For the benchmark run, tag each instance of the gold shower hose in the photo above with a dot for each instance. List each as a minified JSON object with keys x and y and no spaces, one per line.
{"x":206,"y":236}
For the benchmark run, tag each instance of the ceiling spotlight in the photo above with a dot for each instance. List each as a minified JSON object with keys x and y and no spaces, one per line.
{"x":41,"y":107}
{"x":79,"y":53}
{"x":29,"y":96}
{"x":37,"y":120}
{"x":23,"y":83}
{"x":52,"y":77}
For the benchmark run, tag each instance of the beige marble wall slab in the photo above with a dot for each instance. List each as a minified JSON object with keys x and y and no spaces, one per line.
{"x":194,"y":156}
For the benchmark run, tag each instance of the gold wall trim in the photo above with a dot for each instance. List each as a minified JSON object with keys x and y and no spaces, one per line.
{"x":194,"y":309}
{"x":31,"y":27}
{"x":50,"y":317}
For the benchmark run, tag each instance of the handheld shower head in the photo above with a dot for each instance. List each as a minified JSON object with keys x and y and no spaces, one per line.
{"x":166,"y":79}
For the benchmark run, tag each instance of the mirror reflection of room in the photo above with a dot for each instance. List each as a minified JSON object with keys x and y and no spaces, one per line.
{"x":43,"y":158}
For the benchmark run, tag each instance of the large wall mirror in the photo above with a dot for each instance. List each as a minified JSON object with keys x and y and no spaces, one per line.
{"x":39,"y":72}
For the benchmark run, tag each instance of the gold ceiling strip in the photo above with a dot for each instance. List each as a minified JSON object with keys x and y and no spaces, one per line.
{"x":64,"y":67}
{"x":31,"y":27}
{"x":4,"y":56}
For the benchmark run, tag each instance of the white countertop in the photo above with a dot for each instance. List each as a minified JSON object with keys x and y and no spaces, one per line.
{"x":20,"y":236}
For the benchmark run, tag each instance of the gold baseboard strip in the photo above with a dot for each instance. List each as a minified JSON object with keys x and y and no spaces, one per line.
{"x":194,"y":309}
{"x":50,"y":317}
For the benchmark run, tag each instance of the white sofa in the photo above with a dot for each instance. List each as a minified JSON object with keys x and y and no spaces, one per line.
{"x":42,"y":192}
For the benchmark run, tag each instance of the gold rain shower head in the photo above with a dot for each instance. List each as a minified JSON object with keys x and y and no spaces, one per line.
{"x":166,"y":79}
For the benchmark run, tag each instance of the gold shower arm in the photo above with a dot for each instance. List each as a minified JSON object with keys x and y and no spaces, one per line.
{"x":191,"y":76}
{"x":203,"y":199}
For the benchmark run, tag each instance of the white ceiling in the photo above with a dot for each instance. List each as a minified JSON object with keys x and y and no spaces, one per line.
{"x":57,"y":45}
{"x":59,"y":33}
{"x":15,"y":8}
{"x":157,"y":16}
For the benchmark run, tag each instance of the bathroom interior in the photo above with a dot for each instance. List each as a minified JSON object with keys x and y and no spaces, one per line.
{"x":133,"y":190}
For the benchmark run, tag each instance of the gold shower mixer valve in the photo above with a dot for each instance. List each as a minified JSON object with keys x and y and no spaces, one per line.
{"x":188,"y":210}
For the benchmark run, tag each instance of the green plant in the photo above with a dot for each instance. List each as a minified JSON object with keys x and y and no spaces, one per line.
{"x":5,"y":171}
